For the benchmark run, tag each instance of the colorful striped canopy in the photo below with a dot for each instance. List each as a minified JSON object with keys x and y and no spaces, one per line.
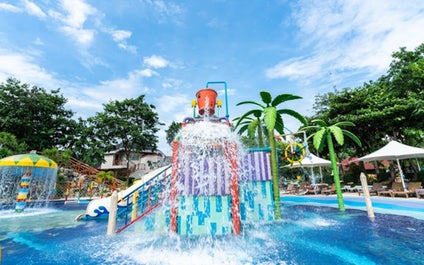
{"x":28,"y":160}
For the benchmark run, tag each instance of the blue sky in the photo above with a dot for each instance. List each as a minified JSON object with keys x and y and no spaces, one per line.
{"x":97,"y":51}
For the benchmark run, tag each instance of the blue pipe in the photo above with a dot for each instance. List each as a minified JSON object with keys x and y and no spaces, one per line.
{"x":225,"y":92}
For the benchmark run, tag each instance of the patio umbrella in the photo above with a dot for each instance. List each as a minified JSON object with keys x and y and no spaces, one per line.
{"x":311,"y":161}
{"x":28,"y":160}
{"x":394,"y":151}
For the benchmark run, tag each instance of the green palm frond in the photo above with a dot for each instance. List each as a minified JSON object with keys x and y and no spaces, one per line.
{"x":279,"y":124}
{"x":353,"y":137}
{"x":282,"y":98}
{"x":250,"y":102}
{"x":319,"y":139}
{"x":344,"y":123}
{"x":320,"y":123}
{"x":294,"y":114}
{"x":246,"y":116}
{"x":266,"y":97}
{"x":251,"y":129}
{"x":337,"y":133}
{"x":270,"y":114}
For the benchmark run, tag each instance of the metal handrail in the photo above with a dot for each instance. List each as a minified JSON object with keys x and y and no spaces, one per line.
{"x":148,"y":196}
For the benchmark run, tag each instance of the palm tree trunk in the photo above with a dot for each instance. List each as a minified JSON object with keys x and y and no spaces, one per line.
{"x":275,"y":177}
{"x":335,"y":169}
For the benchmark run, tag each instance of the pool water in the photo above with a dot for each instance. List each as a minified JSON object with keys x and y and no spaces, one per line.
{"x":306,"y":235}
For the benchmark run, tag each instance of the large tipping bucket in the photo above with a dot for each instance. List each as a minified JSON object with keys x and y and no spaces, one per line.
{"x":206,"y":99}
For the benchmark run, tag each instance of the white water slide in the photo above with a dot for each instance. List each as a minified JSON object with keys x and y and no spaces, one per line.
{"x":99,"y":208}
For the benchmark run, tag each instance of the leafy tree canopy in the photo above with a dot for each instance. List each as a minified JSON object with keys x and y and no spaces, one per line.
{"x":172,"y":132}
{"x":389,"y":108}
{"x":36,"y":117}
{"x":130,"y":124}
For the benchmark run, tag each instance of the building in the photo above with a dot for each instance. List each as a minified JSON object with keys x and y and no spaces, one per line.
{"x":140,"y":163}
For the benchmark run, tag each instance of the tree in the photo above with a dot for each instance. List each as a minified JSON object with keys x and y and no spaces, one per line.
{"x":34,"y":116}
{"x":172,"y":132}
{"x":389,"y":108}
{"x":324,"y":135}
{"x":272,"y":118}
{"x":9,"y":145}
{"x":129,"y":124}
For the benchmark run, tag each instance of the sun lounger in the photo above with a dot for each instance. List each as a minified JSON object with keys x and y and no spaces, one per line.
{"x":412,"y":187}
{"x":328,"y":191}
{"x":419,"y":193}
{"x":356,"y":188}
{"x":374,"y":189}
{"x":396,"y":186}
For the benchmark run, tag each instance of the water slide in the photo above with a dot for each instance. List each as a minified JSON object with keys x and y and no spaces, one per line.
{"x":99,"y":208}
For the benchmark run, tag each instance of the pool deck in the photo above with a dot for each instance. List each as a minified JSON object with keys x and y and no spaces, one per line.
{"x":413,"y":207}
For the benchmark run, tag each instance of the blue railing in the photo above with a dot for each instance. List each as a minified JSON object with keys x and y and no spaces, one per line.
{"x":147,"y":197}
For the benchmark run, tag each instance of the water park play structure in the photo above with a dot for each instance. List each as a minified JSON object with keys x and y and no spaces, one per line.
{"x":30,"y":176}
{"x":198,"y":190}
{"x":212,"y":186}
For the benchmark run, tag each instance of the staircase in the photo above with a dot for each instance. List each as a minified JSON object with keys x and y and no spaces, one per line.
{"x":86,"y":170}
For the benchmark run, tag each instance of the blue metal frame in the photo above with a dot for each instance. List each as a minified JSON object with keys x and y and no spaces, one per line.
{"x":154,"y":186}
{"x":225,"y":91}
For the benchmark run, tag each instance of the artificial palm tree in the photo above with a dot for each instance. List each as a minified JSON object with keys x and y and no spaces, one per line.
{"x":272,"y":118}
{"x":251,"y":125}
{"x":324,"y":134}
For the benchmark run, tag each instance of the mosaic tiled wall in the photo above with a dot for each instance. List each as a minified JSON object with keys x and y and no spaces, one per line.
{"x":204,"y":215}
{"x":156,"y":221}
{"x":211,"y":214}
{"x":256,"y":201}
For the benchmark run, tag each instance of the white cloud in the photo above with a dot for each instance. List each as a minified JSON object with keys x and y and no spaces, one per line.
{"x":82,"y":36}
{"x":120,"y":35}
{"x":33,"y":9}
{"x":358,"y":36}
{"x":155,"y":61}
{"x":24,"y":68}
{"x":76,"y":14}
{"x":10,"y":8}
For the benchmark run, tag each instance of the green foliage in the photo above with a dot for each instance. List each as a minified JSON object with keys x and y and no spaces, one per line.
{"x":104,"y":176}
{"x":172,"y":132}
{"x":62,"y":157}
{"x":325,"y":134}
{"x":130,"y":124}
{"x":271,"y":117}
{"x":36,"y":117}
{"x":9,"y":145}
{"x":389,"y":108}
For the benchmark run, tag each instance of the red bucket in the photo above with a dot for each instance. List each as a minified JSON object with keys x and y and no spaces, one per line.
{"x":206,"y":99}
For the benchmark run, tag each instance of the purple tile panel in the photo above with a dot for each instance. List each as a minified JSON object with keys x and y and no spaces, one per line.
{"x":256,"y":167}
{"x":204,"y":178}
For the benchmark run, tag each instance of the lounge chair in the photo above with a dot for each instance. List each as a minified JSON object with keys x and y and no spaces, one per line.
{"x":419,"y":193}
{"x":376,"y":187}
{"x":328,"y":191}
{"x":396,"y":186}
{"x":356,"y":188}
{"x":412,"y":187}
{"x":291,"y":189}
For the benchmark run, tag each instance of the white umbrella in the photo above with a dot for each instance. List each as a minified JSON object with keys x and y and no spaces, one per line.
{"x":312,"y":161}
{"x":394,"y":151}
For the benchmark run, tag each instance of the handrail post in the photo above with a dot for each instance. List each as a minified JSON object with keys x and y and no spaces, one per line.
{"x":111,"y":224}
{"x":367,"y":197}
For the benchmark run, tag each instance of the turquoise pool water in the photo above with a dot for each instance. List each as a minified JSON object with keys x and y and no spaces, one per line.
{"x":307,"y":234}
